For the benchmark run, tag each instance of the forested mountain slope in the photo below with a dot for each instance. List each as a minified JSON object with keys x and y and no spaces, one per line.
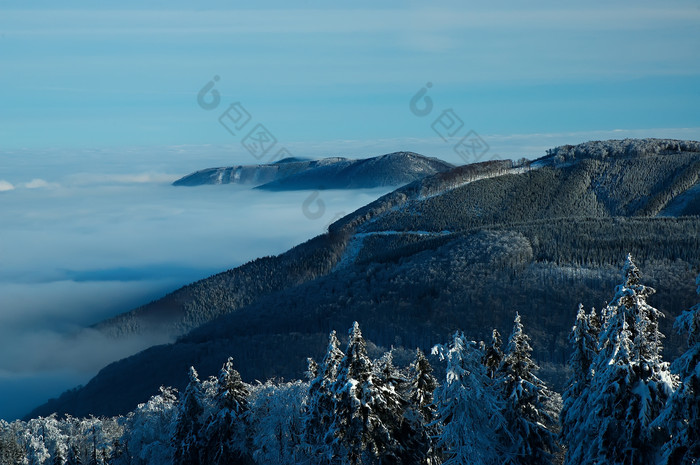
{"x":464,"y":249}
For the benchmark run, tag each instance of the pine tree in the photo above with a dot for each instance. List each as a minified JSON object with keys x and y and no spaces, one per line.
{"x":367,"y":410}
{"x":631,"y":383}
{"x":319,"y":411}
{"x":584,"y":339}
{"x":224,"y":438}
{"x":188,"y":427}
{"x":468,"y":407}
{"x":680,"y":420}
{"x":529,"y":405}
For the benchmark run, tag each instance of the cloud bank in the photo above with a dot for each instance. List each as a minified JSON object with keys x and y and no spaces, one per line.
{"x":85,"y":236}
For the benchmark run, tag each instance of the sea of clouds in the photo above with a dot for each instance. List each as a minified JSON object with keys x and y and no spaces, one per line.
{"x":88,"y":234}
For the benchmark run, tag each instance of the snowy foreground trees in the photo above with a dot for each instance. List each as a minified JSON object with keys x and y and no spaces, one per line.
{"x":622,"y":405}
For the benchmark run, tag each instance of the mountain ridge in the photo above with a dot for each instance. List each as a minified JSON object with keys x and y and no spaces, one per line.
{"x":391,"y":169}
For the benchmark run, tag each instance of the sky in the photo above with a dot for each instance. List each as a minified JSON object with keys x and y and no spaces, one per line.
{"x":90,"y":75}
{"x":103,"y":105}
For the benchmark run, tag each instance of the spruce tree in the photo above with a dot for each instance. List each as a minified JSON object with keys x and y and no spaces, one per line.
{"x":224,"y":438}
{"x":367,"y":410}
{"x":595,"y":324}
{"x":468,"y":407}
{"x":680,"y":420}
{"x":493,"y":353}
{"x":189,"y":423}
{"x":584,"y":339}
{"x":529,"y":406}
{"x":631,"y":383}
{"x":407,"y":427}
{"x":422,"y":385}
{"x":319,"y":412}
{"x":421,"y":414}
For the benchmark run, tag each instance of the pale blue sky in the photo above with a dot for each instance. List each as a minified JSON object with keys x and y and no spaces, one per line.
{"x":89,"y":75}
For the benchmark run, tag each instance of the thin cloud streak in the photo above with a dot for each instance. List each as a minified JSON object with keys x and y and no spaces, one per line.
{"x":225,"y":22}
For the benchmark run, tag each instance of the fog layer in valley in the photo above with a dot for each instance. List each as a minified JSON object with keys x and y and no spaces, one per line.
{"x":86,"y":235}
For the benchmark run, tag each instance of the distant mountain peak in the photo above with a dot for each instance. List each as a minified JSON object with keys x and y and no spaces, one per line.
{"x":290,"y":160}
{"x":392,"y":169}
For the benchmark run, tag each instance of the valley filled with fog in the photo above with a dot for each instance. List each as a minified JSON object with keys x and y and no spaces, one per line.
{"x":88,"y":234}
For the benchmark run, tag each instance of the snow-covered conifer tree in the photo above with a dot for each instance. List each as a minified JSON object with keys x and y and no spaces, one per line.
{"x":468,"y":407}
{"x":575,"y":410}
{"x":188,"y":423}
{"x":529,"y":406}
{"x":277,"y":410}
{"x":367,"y":411}
{"x":312,"y":369}
{"x":631,"y":383}
{"x":422,"y":385}
{"x":493,"y":353}
{"x":595,"y":323}
{"x":36,"y":450}
{"x":148,"y":432}
{"x":421,"y":414}
{"x":680,"y":420}
{"x":224,"y":434}
{"x":320,"y":403}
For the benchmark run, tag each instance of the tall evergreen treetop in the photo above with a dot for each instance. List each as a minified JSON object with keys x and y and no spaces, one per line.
{"x":224,"y":438}
{"x":517,"y":360}
{"x":233,"y":392}
{"x":493,"y":353}
{"x":422,"y":386}
{"x":584,"y":340}
{"x":332,"y":359}
{"x":356,"y":364}
{"x":368,"y":411}
{"x":311,"y":369}
{"x":530,"y":407}
{"x":319,"y":411}
{"x":631,"y":383}
{"x":630,"y":304}
{"x":576,"y":408}
{"x":189,"y":423}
